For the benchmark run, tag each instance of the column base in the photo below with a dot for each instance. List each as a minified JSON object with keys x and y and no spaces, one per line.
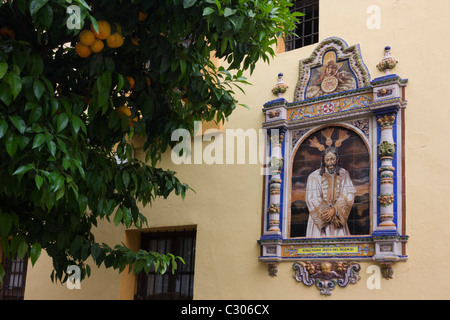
{"x":272,"y":235}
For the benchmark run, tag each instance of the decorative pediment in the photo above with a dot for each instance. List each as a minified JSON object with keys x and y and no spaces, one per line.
{"x":333,"y":67}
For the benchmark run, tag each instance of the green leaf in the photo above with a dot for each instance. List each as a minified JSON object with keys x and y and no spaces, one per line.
{"x":126,"y":178}
{"x":39,"y":139}
{"x":223,"y":45}
{"x":11,"y":145}
{"x":5,"y":93}
{"x":84,"y":4}
{"x":77,"y":123}
{"x":36,"y":65}
{"x":59,"y":182}
{"x":38,"y":88}
{"x":3,"y":69}
{"x":188,"y":3}
{"x":55,"y":105}
{"x":95,"y":251}
{"x":66,"y":163}
{"x":120,"y":82}
{"x":18,"y":123}
{"x":23,"y":169}
{"x":22,"y":141}
{"x":16,"y":83}
{"x":127,"y":217}
{"x":5,"y":224}
{"x":85,"y":250}
{"x":51,"y":147}
{"x":94,"y":22}
{"x":207,"y":11}
{"x":46,"y":16}
{"x":35,"y":252}
{"x":3,"y":127}
{"x":38,"y":180}
{"x":22,"y":249}
{"x":60,"y":193}
{"x":95,"y":64}
{"x":183,"y":66}
{"x":228,"y":12}
{"x":35,"y":5}
{"x":61,"y":122}
{"x":35,"y":115}
{"x":118,"y":217}
{"x":82,"y":202}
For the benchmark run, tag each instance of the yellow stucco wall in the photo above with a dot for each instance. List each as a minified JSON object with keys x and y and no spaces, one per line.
{"x":226,"y":205}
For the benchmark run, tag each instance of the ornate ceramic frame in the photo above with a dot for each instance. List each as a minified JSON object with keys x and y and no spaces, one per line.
{"x":372,"y":109}
{"x":343,"y":52}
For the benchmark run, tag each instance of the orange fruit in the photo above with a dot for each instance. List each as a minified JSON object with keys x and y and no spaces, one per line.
{"x":104,"y":30}
{"x":87,"y":37}
{"x":97,"y":46}
{"x":124,"y":110}
{"x":6,"y":32}
{"x":115,"y":40}
{"x":134,"y":41}
{"x":142,"y":16}
{"x":131,"y":81}
{"x":132,"y":122}
{"x":82,"y":50}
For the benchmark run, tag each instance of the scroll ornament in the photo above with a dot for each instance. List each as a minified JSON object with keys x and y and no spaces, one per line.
{"x":326,"y":275}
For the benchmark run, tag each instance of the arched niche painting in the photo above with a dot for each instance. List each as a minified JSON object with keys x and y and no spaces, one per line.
{"x":330,"y":187}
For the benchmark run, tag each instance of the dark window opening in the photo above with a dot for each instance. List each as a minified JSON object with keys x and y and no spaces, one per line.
{"x":13,"y":287}
{"x":307,"y":30}
{"x":177,"y":286}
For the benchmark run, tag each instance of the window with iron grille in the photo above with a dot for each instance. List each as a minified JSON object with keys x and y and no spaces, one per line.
{"x":13,"y":287}
{"x":307,"y":29}
{"x":177,"y":286}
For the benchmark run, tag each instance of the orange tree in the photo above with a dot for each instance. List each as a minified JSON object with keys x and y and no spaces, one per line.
{"x":78,"y":79}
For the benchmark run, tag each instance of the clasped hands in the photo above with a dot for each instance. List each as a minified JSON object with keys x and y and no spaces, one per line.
{"x":329,"y":216}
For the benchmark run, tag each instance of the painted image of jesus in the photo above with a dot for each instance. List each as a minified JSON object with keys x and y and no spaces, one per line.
{"x":329,"y":191}
{"x":329,"y":196}
{"x":328,"y":166}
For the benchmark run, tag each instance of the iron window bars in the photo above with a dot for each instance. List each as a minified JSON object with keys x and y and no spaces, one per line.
{"x":307,"y":30}
{"x":13,"y":287}
{"x":177,"y":286}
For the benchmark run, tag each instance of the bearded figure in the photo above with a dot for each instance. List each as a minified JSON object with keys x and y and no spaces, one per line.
{"x":330,"y":192}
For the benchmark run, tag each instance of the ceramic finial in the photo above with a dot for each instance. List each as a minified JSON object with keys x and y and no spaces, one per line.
{"x":388,"y":61}
{"x":280,"y":87}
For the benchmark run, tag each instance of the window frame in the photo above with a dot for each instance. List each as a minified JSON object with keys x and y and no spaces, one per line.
{"x":297,"y":41}
{"x":15,"y":270}
{"x":162,"y":238}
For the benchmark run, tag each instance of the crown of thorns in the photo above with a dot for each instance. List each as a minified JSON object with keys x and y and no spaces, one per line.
{"x":327,"y":133}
